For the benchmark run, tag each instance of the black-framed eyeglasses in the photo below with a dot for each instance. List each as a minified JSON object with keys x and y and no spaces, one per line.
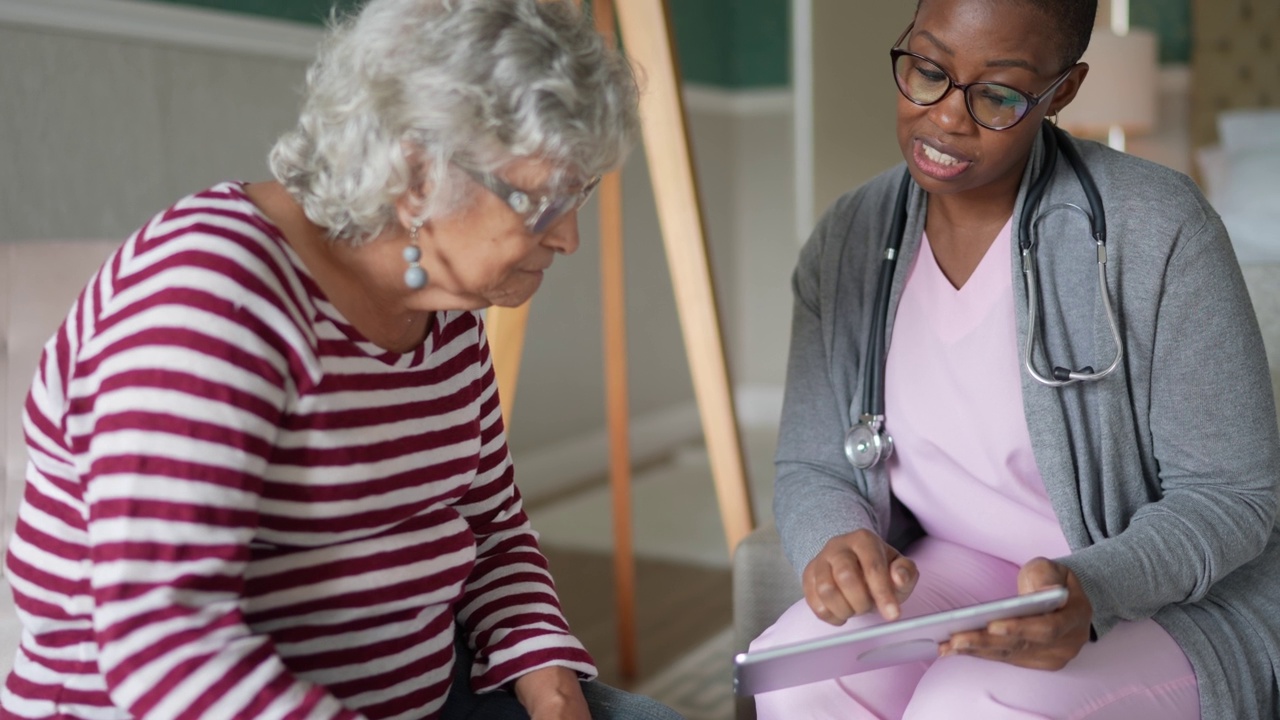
{"x":539,"y":212}
{"x":992,"y":105}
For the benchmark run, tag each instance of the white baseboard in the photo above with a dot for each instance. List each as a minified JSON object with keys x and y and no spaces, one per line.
{"x":546,"y":471}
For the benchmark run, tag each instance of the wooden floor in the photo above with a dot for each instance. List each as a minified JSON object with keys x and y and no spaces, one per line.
{"x":678,"y":607}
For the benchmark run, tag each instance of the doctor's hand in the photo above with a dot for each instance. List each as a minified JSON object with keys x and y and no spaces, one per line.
{"x":1042,"y":642}
{"x":855,"y":574}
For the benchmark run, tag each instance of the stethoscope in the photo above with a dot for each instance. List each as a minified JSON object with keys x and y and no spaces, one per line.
{"x":867,"y":443}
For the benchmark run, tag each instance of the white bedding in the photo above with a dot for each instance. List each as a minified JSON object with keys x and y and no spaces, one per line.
{"x":1242,"y":180}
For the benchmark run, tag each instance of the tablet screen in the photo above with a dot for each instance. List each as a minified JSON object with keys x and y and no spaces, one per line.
{"x":887,"y":644}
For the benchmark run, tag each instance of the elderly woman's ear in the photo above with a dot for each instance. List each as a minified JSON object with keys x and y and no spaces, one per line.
{"x":411,"y":207}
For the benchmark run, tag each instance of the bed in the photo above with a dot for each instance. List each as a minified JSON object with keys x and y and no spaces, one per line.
{"x":1235,"y":133}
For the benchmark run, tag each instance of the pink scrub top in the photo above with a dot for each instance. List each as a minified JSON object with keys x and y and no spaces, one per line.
{"x":962,"y":457}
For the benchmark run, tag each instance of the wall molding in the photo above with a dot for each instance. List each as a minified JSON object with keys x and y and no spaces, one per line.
{"x":571,"y":463}
{"x":167,"y":24}
{"x":802,"y":128}
{"x":747,"y":101}
{"x":236,"y":33}
{"x":547,"y":471}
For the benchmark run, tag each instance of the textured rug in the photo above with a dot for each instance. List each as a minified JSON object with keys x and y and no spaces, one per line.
{"x":683,"y":585}
{"x":700,"y":684}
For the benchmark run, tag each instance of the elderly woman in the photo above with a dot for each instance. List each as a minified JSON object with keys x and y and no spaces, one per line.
{"x":268,"y":474}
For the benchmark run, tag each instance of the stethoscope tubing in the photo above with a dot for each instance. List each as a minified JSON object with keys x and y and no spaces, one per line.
{"x":866,"y":443}
{"x":1062,"y":376}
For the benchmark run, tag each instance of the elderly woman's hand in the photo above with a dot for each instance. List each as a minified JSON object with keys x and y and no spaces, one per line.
{"x":552,"y":693}
{"x":1043,"y":642}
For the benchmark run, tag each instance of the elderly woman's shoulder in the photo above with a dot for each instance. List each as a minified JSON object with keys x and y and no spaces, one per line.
{"x":219,"y":220}
{"x":214,"y":242}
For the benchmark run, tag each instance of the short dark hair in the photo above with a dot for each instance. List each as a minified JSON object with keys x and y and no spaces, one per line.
{"x":1072,"y":20}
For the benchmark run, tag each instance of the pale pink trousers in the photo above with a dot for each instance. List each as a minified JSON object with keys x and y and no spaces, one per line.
{"x":1135,"y":672}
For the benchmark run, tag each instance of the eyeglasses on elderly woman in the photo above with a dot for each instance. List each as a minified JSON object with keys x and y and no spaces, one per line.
{"x":992,"y":105}
{"x":539,"y":212}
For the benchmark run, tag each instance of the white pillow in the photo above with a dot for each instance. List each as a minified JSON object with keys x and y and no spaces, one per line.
{"x":1241,"y":130}
{"x":1248,"y":199}
{"x":1211,"y":160}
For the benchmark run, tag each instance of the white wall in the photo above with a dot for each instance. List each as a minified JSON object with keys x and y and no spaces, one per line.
{"x":100,"y":131}
{"x":841,"y":51}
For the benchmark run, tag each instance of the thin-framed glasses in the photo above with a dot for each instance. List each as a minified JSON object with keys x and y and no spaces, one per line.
{"x":539,"y":212}
{"x":992,"y":105}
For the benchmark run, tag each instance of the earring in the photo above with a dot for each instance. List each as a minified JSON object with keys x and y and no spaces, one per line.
{"x":1054,"y":119}
{"x":414,"y":276}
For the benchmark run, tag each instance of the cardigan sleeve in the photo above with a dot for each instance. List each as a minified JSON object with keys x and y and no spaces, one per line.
{"x":1213,"y":427}
{"x":817,"y":495}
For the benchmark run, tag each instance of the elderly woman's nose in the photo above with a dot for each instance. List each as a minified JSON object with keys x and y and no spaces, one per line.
{"x":563,"y":236}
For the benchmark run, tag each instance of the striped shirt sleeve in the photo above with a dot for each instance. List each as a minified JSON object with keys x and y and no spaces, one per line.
{"x":509,"y":606}
{"x":172,"y":409}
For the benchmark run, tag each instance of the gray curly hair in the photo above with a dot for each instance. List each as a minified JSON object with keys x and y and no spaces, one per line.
{"x":406,"y":88}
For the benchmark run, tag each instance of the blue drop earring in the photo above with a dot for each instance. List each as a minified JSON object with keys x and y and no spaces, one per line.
{"x":414,"y":276}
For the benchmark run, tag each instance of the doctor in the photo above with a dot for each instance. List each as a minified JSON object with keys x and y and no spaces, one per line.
{"x":1147,"y":489}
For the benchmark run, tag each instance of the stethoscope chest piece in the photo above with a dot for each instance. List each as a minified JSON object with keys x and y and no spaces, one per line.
{"x":866,"y":443}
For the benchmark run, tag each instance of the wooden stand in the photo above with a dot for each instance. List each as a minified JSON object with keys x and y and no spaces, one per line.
{"x":646,"y":35}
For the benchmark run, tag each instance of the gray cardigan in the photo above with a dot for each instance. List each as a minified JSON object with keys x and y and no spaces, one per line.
{"x":1163,"y":475}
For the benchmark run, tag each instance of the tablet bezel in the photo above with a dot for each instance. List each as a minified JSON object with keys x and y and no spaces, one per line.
{"x":878,"y":646}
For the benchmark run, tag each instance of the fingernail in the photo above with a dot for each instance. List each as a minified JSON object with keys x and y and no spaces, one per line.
{"x":892,"y":612}
{"x":901,"y":576}
{"x":998,"y":629}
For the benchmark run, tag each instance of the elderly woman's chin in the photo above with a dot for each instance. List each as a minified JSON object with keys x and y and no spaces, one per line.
{"x":519,"y":287}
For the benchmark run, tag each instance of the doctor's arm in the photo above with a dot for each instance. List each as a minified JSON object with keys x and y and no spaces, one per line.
{"x":1213,"y":428}
{"x":827,"y":524}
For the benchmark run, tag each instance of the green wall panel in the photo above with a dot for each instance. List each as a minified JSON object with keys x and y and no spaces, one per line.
{"x":727,"y":43}
{"x":704,"y":40}
{"x":1171,"y":20}
{"x":761,"y":43}
{"x":736,"y":43}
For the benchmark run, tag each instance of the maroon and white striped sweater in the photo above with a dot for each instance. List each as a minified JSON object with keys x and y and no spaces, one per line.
{"x":238,"y":507}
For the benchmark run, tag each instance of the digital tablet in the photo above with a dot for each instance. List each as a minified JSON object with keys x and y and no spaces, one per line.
{"x":876,"y":647}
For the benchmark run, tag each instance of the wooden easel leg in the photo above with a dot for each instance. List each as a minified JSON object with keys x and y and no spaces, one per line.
{"x":647,"y":37}
{"x":614,"y":310}
{"x":505,"y":329}
{"x":647,"y":34}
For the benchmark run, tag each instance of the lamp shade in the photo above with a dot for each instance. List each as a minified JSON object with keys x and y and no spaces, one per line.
{"x":1121,"y":87}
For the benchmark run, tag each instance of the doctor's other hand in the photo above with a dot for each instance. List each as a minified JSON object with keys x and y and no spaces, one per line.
{"x":1042,"y":642}
{"x":855,"y":574}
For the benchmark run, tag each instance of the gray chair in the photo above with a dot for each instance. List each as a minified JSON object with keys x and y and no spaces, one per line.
{"x":764,"y":585}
